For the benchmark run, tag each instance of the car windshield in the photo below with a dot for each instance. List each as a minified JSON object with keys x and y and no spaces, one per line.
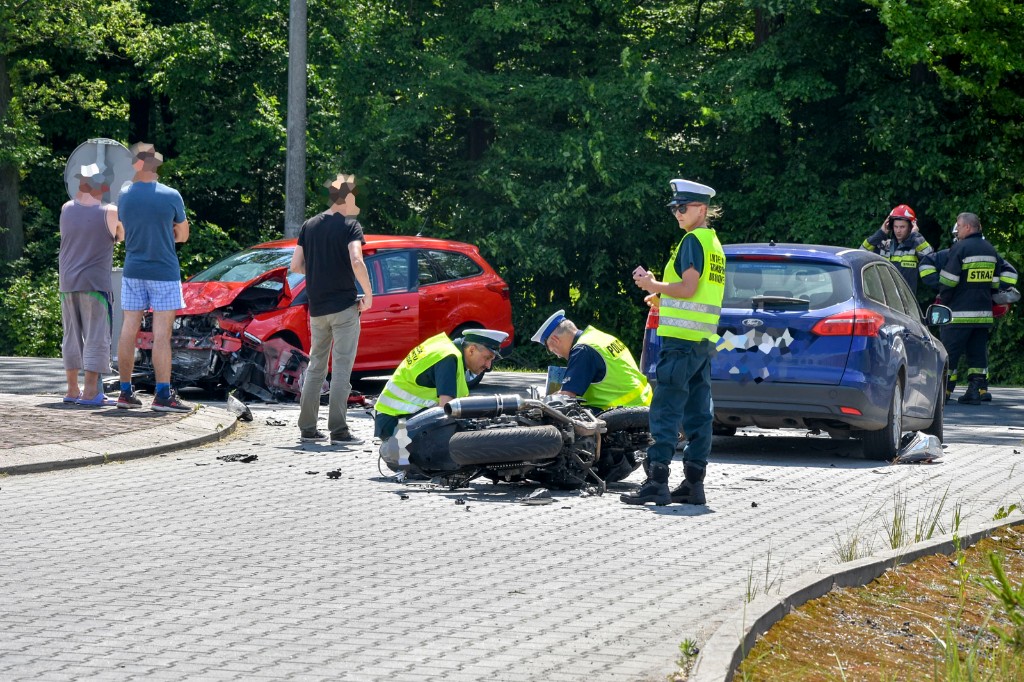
{"x":248,"y":265}
{"x":820,"y":284}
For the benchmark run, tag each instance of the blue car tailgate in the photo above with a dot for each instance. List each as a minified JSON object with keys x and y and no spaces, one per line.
{"x":768,"y":319}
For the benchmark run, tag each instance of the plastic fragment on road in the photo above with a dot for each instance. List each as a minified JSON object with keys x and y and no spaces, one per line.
{"x":539,"y":496}
{"x":239,"y":457}
{"x":919,"y":448}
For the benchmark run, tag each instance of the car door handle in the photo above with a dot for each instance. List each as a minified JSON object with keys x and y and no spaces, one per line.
{"x":396,"y":308}
{"x":440,"y":299}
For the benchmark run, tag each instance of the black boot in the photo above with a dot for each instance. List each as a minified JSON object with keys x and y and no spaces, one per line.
{"x":986,"y":397}
{"x":654,"y":489}
{"x":972,"y":396}
{"x":691,"y":490}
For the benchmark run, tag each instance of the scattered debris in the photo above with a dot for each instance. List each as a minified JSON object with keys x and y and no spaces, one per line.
{"x":272,"y":421}
{"x":239,"y":457}
{"x":312,"y":473}
{"x":238,"y":408}
{"x":917,"y":448}
{"x":334,"y":475}
{"x":753,"y":504}
{"x":539,"y":496}
{"x":202,"y":464}
{"x":460,"y":500}
{"x":403,"y":496}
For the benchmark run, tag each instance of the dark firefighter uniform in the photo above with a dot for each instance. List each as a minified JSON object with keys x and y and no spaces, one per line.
{"x":908,"y":255}
{"x":973,"y":271}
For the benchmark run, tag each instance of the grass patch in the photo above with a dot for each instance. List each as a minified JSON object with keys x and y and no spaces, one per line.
{"x":958,"y":617}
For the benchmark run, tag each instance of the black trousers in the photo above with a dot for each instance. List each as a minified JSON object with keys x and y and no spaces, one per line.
{"x":969,"y":341}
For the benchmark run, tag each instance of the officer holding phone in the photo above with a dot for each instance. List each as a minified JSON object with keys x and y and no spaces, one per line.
{"x":690,"y":301}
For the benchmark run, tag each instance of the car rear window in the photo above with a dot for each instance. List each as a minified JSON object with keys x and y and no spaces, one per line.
{"x":455,"y":265}
{"x":820,"y":284}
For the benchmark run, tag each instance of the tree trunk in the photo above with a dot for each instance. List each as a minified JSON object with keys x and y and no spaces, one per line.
{"x":12,"y":230}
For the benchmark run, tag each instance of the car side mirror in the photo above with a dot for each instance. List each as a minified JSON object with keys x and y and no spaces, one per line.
{"x":938,"y":315}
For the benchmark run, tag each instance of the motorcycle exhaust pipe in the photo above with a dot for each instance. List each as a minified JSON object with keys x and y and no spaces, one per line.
{"x":483,"y":406}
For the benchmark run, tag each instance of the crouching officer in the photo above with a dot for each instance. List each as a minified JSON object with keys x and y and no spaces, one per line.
{"x":690,"y":305}
{"x":433,"y":374}
{"x":973,"y":272}
{"x":899,"y":240}
{"x":600,"y":369}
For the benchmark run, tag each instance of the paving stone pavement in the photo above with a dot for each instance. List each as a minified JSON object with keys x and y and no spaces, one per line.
{"x":183,"y":566}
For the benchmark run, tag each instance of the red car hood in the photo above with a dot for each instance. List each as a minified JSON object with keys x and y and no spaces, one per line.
{"x":205,"y":297}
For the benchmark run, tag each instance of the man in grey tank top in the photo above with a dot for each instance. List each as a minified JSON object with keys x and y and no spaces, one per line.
{"x":89,"y":228}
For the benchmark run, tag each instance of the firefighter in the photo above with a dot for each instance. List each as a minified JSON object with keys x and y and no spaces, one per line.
{"x":972,"y":273}
{"x":899,"y":240}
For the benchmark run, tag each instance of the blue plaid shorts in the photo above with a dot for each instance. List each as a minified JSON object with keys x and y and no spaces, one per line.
{"x":141,"y":294}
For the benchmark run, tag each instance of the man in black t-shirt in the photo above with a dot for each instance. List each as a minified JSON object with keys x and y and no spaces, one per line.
{"x":330,"y":254}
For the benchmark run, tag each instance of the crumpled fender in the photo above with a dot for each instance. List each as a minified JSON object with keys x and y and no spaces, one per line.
{"x":285,"y":365}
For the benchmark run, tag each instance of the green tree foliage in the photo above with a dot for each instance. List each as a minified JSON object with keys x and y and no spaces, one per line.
{"x":544,"y":133}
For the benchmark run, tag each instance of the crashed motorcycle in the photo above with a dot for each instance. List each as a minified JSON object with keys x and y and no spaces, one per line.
{"x":554,"y":441}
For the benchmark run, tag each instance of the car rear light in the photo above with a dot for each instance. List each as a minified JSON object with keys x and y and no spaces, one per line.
{"x":856,"y":322}
{"x":850,"y":410}
{"x":499,"y":288}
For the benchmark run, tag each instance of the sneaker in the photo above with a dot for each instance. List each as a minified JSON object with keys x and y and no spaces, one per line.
{"x":312,"y":436}
{"x":128,"y":400}
{"x":171,"y":403}
{"x":346,"y":439}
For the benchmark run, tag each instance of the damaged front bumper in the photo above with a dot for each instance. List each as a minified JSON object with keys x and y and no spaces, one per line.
{"x":215,"y":350}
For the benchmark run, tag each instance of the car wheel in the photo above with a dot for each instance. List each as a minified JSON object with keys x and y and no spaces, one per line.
{"x":935,"y":429}
{"x":884,"y":444}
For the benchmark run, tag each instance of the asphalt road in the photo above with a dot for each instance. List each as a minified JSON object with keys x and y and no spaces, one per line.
{"x":185,"y":566}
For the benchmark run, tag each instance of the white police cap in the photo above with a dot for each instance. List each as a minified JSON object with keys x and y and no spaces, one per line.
{"x":548,"y":326}
{"x":686,"y":191}
{"x":490,"y":339}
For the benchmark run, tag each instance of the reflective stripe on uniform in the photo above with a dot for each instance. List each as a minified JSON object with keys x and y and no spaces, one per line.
{"x":402,"y":399}
{"x":688,"y":324}
{"x":685,"y":304}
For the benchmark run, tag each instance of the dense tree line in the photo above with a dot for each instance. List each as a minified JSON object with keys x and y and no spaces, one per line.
{"x":545,"y":133}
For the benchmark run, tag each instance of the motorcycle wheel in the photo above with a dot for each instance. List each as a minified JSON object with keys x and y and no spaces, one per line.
{"x":514,"y":444}
{"x":619,"y":456}
{"x":627,"y":419}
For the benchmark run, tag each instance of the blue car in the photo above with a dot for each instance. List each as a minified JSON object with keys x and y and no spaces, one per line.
{"x":822,"y":338}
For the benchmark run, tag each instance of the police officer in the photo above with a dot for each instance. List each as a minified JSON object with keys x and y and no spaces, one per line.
{"x":690,"y":300}
{"x":899,"y":240}
{"x":972,"y":273}
{"x":600,"y":367}
{"x":434,"y":374}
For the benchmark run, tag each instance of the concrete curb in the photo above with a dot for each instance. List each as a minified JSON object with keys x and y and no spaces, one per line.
{"x":204,"y":425}
{"x":729,"y":644}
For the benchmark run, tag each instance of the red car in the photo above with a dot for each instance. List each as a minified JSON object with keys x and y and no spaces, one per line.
{"x":246,"y":322}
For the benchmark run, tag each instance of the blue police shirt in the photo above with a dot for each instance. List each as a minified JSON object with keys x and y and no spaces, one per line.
{"x":691,"y":255}
{"x":585,"y":367}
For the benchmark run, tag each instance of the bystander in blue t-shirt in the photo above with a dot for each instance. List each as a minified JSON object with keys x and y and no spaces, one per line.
{"x":149,"y":211}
